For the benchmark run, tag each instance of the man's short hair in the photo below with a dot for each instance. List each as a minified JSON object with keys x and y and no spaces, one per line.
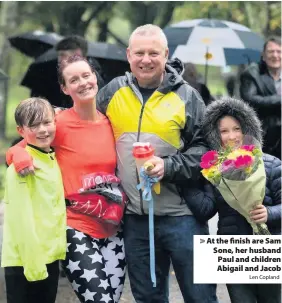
{"x":149,"y":30}
{"x":274,"y":39}
{"x":72,"y":43}
{"x":32,"y":111}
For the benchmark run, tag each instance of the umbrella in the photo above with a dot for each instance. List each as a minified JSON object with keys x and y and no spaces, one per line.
{"x":42,"y":79}
{"x":213,"y":42}
{"x":34,"y":44}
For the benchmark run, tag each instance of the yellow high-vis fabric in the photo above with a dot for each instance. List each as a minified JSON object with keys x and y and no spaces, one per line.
{"x":164,"y":115}
{"x":34,"y":232}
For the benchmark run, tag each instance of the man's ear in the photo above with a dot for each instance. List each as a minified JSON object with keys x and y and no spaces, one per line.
{"x":64,"y":90}
{"x":20,"y":131}
{"x":166,"y":53}
{"x":128,"y":54}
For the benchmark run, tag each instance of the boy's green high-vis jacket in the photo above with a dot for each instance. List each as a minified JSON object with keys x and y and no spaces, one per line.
{"x":34,"y":232}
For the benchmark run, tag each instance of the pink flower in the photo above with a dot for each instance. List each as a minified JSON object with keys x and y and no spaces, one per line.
{"x":227,"y":164}
{"x":209,"y":159}
{"x":243,"y":161}
{"x":248,"y":147}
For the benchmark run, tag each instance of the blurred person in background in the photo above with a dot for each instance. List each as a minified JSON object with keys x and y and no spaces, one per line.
{"x":261,"y":88}
{"x":191,"y":76}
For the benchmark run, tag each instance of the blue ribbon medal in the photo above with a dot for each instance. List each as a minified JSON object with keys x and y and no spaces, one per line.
{"x":146,"y":186}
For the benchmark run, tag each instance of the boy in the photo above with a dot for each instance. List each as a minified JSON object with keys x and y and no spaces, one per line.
{"x":34,"y":233}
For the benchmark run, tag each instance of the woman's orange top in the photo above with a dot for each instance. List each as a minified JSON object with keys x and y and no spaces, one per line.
{"x":83,"y":147}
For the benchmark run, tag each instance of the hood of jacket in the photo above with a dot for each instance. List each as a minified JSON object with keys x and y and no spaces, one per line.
{"x":237,"y":109}
{"x":172,"y":78}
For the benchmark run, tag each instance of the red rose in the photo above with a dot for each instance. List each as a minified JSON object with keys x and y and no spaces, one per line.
{"x":243,"y":161}
{"x":209,"y":159}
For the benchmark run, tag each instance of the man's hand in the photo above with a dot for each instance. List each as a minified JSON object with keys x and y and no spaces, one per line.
{"x":158,"y":170}
{"x":259,"y":214}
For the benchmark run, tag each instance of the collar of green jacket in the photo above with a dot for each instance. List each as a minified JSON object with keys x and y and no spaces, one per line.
{"x":172,"y":79}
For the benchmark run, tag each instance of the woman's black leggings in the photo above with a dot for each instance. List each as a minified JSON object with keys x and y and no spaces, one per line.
{"x":95,"y":267}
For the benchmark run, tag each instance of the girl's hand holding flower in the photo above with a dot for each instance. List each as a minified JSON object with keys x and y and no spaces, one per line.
{"x":259,"y":214}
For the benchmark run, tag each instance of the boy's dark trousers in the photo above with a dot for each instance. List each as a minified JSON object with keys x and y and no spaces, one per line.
{"x":19,"y":290}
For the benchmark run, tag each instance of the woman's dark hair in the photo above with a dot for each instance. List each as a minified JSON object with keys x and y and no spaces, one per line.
{"x":64,"y":63}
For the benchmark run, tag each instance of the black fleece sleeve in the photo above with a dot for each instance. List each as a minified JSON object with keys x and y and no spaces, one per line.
{"x":185,"y":165}
{"x":249,"y":93}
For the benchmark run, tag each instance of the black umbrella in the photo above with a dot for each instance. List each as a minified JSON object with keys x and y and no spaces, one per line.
{"x":42,"y":79}
{"x":34,"y":44}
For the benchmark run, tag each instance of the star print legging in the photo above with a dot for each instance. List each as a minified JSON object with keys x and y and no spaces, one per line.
{"x":95,"y":267}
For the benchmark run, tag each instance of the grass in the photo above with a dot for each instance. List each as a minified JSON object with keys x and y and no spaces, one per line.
{"x":215,"y":81}
{"x":16,"y":94}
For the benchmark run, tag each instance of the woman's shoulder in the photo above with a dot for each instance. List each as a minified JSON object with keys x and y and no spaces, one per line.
{"x":64,"y":115}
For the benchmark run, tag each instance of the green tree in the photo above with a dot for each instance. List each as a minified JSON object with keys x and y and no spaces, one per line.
{"x":263,"y":17}
{"x":144,"y":12}
{"x":8,"y":16}
{"x":65,"y":17}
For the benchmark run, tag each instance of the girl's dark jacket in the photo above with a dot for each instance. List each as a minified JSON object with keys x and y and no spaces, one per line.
{"x":205,"y":201}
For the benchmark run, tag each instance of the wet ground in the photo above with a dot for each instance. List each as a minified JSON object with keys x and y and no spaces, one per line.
{"x":66,"y":295}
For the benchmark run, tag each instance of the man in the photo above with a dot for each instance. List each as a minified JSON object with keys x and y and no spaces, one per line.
{"x":261,"y":88}
{"x":154,"y":104}
{"x":68,"y":46}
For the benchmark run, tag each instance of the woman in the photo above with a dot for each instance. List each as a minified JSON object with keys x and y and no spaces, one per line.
{"x":229,"y":120}
{"x":84,"y":144}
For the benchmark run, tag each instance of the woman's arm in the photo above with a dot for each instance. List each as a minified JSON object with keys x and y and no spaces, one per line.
{"x":20,"y":158}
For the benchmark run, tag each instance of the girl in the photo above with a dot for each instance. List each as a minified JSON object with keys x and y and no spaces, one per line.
{"x":229,"y":120}
{"x":84,"y":144}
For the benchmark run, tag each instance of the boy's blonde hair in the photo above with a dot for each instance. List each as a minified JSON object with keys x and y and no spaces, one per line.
{"x":32,"y":111}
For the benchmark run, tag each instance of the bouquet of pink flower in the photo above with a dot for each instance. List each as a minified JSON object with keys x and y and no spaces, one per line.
{"x":239,"y":175}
